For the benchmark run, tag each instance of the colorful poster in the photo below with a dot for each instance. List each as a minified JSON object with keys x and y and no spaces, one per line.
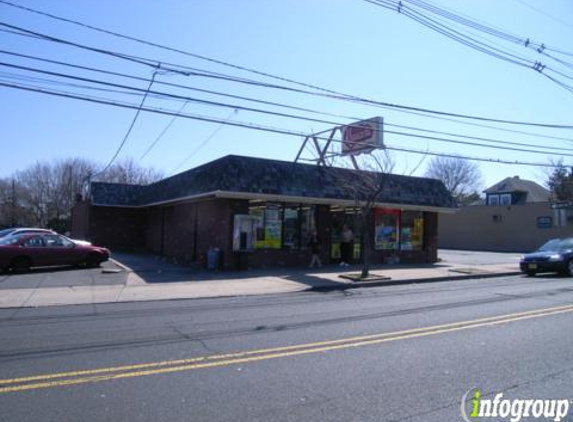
{"x":386,"y":230}
{"x":412,"y":231}
{"x":273,"y":227}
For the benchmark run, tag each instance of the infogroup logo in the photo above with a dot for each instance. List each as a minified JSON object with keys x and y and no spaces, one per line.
{"x":512,"y":409}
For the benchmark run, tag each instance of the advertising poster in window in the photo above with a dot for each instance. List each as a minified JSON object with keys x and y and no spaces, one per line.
{"x":412,"y":231}
{"x":386,"y":229}
{"x":406,"y":239}
{"x":418,"y":234}
{"x":245,"y":232}
{"x":273,"y":227}
{"x":259,"y":226}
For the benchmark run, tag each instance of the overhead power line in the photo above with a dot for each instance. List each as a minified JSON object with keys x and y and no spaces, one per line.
{"x":126,"y":136}
{"x":271,"y":103}
{"x":253,"y":126}
{"x":544,"y":13}
{"x":203,"y":143}
{"x":438,"y":22}
{"x":336,"y":94}
{"x":165,"y":129}
{"x":512,"y":146}
{"x":175,"y":85}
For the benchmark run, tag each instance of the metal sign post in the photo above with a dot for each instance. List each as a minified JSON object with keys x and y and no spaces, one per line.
{"x":357,"y":138}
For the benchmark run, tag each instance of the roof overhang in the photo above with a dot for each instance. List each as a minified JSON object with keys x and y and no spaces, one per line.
{"x":218,"y":194}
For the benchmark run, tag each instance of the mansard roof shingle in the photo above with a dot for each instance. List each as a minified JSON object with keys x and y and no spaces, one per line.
{"x":248,"y":175}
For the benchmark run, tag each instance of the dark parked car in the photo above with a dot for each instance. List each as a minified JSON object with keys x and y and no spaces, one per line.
{"x":21,"y":251}
{"x":554,"y":256}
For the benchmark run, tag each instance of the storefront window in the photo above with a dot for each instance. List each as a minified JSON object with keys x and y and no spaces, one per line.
{"x":386,"y":229}
{"x":412,"y":231}
{"x":308,"y":223}
{"x":281,"y":225}
{"x":245,"y":231}
{"x":269,"y":230}
{"x":291,"y":227}
{"x":340,"y":217}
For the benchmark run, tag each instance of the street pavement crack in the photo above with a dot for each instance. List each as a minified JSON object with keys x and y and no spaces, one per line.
{"x":198,"y":340}
{"x":533,"y":381}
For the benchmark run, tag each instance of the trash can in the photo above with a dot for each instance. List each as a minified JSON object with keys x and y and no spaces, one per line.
{"x":213,"y":258}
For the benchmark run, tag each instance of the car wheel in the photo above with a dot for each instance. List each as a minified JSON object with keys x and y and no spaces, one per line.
{"x":21,"y":264}
{"x":93,"y":260}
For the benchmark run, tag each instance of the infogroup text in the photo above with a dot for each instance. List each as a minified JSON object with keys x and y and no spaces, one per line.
{"x":512,"y":409}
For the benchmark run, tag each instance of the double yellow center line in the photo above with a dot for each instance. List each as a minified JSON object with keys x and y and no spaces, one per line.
{"x":169,"y":366}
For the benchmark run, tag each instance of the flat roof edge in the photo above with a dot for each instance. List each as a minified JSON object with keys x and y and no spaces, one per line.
{"x":284,"y":198}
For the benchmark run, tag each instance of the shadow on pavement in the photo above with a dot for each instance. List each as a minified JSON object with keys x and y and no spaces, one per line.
{"x":154,"y":269}
{"x":104,"y":266}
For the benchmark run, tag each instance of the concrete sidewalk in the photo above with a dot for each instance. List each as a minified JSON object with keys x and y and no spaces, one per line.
{"x":148,"y":278}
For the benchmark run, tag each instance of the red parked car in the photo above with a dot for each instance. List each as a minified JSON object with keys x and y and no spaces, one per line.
{"x":22,"y":251}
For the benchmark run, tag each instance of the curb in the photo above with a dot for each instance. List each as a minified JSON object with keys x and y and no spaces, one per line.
{"x":122,"y":266}
{"x":318,"y":289}
{"x":356,"y":285}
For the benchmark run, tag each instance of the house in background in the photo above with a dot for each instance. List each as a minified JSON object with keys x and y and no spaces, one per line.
{"x":515,"y":191}
{"x":516,"y":216}
{"x":259,"y":212}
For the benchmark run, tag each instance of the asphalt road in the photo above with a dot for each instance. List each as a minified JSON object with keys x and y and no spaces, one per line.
{"x":401,"y":353}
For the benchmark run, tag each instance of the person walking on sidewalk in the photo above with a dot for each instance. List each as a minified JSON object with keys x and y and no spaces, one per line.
{"x":346,"y":246}
{"x":314,"y":245}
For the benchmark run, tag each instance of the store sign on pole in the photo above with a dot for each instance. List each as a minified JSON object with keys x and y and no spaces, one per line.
{"x":363,"y":137}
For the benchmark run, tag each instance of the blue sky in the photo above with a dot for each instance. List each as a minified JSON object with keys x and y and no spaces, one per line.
{"x":349,"y":46}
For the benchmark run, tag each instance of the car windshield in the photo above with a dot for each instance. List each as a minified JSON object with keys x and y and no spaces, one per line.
{"x":557,"y":245}
{"x":6,"y":232}
{"x":9,"y":240}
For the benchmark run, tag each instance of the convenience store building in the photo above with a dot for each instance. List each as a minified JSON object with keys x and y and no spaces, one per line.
{"x":260,"y":213}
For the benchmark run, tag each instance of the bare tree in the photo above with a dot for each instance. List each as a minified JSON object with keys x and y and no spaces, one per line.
{"x":44,"y":194}
{"x":462,"y":178}
{"x":366,"y":187}
{"x":37,"y":183}
{"x":7,"y":210}
{"x":49,"y":190}
{"x":560,"y":182}
{"x":12,"y":211}
{"x":130,"y":172}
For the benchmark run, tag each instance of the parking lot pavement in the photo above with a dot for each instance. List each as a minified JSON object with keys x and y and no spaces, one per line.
{"x":478,"y":258}
{"x":108,"y":274}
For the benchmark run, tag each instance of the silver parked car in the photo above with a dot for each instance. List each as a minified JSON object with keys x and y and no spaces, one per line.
{"x":13,"y":231}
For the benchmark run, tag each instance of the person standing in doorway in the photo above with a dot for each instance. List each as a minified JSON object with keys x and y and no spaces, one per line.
{"x":314,"y":245}
{"x":346,"y":246}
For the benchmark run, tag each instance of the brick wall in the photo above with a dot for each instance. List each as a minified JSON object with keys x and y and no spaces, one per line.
{"x":117,"y":228}
{"x":80,"y":219}
{"x":431,"y":237}
{"x":187,"y":231}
